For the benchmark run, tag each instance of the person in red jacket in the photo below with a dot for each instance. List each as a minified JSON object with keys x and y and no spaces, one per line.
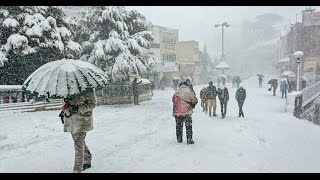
{"x":184,"y":100}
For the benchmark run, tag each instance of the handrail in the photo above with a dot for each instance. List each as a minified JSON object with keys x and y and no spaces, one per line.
{"x":310,"y":93}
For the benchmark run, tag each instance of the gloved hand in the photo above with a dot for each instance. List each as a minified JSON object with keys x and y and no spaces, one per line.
{"x":73,"y":109}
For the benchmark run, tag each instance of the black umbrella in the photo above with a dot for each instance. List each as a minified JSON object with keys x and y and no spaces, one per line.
{"x":271,"y":81}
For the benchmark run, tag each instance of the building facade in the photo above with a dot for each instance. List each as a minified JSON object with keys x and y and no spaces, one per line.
{"x":188,"y":60}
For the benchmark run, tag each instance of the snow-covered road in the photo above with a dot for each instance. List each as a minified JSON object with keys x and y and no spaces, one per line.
{"x":128,"y":138}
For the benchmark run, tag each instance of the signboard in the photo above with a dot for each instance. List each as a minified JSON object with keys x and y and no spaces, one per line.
{"x":310,"y":64}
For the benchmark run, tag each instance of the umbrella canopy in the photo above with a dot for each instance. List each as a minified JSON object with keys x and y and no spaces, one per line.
{"x":65,"y":78}
{"x":271,"y":81}
{"x":289,"y":73}
{"x":260,"y":75}
{"x":222,"y":65}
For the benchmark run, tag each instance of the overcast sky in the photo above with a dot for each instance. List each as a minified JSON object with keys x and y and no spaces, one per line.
{"x":197,"y":22}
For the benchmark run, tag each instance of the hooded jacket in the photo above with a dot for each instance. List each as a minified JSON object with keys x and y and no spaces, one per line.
{"x":183,"y":101}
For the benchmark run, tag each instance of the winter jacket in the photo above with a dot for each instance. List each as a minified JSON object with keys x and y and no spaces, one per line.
{"x":260,"y":79}
{"x":223,"y":95}
{"x":274,"y":85}
{"x":211,"y":92}
{"x":241,"y":95}
{"x":284,"y":86}
{"x":203,"y":93}
{"x":82,"y":120}
{"x":183,"y":102}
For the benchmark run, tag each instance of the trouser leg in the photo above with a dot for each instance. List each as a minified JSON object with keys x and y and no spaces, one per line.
{"x":210,"y":104}
{"x":79,"y":147}
{"x":214,"y":106}
{"x":206,"y":106}
{"x":221,"y":105}
{"x":240,"y":108}
{"x":87,"y":154}
{"x":189,"y":128}
{"x":225,"y":109}
{"x":179,"y":128}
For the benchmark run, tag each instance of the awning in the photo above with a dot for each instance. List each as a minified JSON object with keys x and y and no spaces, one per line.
{"x":281,"y":62}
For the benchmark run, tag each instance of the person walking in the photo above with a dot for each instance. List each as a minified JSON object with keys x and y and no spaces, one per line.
{"x":211,"y":95}
{"x":184,"y":100}
{"x":284,"y":88}
{"x":260,"y":79}
{"x":135,"y":91}
{"x":223,"y":96}
{"x":204,"y":100}
{"x":77,"y":118}
{"x":238,"y":81}
{"x":241,"y":97}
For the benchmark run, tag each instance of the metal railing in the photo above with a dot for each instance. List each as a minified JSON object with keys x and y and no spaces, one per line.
{"x":310,"y":93}
{"x":304,"y":100}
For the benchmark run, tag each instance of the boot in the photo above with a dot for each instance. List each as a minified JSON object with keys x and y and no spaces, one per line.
{"x":190,"y":141}
{"x":86,"y":166}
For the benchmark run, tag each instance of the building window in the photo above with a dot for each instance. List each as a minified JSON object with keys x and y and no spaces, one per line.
{"x":169,"y":40}
{"x":169,"y":57}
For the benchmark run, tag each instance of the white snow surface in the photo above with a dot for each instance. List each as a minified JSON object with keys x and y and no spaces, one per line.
{"x":129,"y":138}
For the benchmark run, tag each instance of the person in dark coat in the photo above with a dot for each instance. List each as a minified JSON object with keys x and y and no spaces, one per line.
{"x":223,"y":96}
{"x":184,"y":100}
{"x":135,"y":91}
{"x":211,"y":95}
{"x":274,"y":86}
{"x":204,"y":99}
{"x":241,"y":97}
{"x":260,"y":79}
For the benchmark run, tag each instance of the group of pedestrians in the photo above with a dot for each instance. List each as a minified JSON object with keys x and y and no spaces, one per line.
{"x":208,"y":99}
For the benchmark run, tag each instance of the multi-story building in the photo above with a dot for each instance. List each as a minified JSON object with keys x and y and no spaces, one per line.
{"x":305,"y":37}
{"x":188,"y":59}
{"x":163,"y":51}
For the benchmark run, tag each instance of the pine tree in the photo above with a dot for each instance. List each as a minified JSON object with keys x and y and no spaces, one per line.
{"x":31,"y":36}
{"x":112,"y":38}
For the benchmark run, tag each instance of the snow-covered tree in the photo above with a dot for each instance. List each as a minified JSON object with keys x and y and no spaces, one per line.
{"x":113,"y":38}
{"x":31,"y":36}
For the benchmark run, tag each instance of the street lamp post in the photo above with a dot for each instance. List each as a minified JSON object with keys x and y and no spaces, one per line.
{"x":298,"y":56}
{"x":222,"y":39}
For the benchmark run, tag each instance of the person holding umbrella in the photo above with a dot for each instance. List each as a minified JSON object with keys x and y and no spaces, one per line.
{"x":274,"y":85}
{"x":75,"y":81}
{"x":78,"y":120}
